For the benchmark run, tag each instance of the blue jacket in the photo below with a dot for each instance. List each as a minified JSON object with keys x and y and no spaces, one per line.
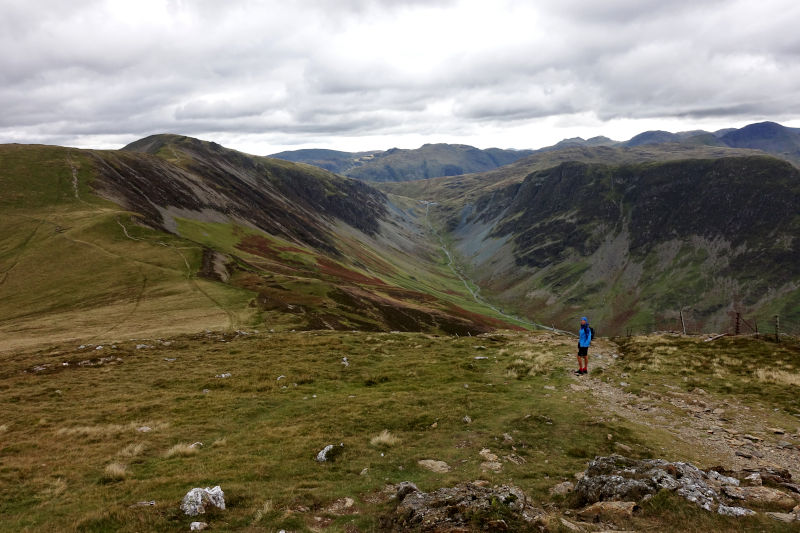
{"x":585,"y":335}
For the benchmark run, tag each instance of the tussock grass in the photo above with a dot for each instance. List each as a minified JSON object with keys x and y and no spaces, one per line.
{"x":222,"y":441}
{"x":742,"y":367}
{"x":132,"y":450}
{"x":3,"y":428}
{"x":384,"y":438}
{"x":115,"y":472}
{"x":182,"y":450}
{"x":265,"y":509}
{"x":778,"y":376}
{"x":54,"y":489}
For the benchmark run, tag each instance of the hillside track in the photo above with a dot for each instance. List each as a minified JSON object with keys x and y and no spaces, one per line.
{"x":469,"y":283}
{"x":20,"y":250}
{"x":233,"y":319}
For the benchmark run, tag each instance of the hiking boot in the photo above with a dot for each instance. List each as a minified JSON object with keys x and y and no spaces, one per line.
{"x":584,"y":371}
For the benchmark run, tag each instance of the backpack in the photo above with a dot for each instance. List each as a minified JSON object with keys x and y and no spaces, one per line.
{"x":591,"y":329}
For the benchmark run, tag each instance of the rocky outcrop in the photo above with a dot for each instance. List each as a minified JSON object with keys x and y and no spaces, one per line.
{"x":620,"y":479}
{"x":197,"y":499}
{"x":466,"y":507}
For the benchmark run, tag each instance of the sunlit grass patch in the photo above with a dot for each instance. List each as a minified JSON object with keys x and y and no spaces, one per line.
{"x":111,"y":430}
{"x":222,"y":441}
{"x":115,"y":472}
{"x":384,"y":438}
{"x":54,"y":489}
{"x":132,"y":450}
{"x":778,"y":376}
{"x":182,"y":450}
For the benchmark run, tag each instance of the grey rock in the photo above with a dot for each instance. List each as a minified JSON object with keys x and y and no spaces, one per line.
{"x":754,"y":479}
{"x":404,"y":488}
{"x":329,"y":452}
{"x":563,"y":489}
{"x":761,"y":495}
{"x":456,"y":508}
{"x":723,"y":480}
{"x":618,"y":478}
{"x":440,"y":467}
{"x":783,"y":517}
{"x":197,"y":526}
{"x":608,"y":511}
{"x":197,"y":499}
{"x":725,"y":510}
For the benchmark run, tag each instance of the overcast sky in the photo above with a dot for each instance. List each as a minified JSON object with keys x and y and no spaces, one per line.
{"x":264,"y":76}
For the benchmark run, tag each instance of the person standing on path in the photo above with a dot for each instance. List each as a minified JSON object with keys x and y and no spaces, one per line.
{"x":584,"y":341}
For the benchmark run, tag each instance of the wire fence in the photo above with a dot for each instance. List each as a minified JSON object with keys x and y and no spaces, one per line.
{"x":767,"y":326}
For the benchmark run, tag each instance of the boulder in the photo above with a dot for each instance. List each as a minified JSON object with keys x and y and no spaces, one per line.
{"x":440,"y":467}
{"x":196,"y":500}
{"x":462,"y":508}
{"x":761,"y":496}
{"x":562,"y":489}
{"x":404,"y":488}
{"x":783,"y":517}
{"x":613,"y":511}
{"x":329,"y":452}
{"x":754,"y":479}
{"x":197,"y":526}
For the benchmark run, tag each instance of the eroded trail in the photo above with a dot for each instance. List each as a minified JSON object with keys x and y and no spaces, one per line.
{"x":721,"y":430}
{"x":233,"y":319}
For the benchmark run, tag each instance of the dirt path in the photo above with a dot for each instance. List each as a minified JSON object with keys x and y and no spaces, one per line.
{"x":20,"y":250}
{"x":723,"y":431}
{"x":233,"y":319}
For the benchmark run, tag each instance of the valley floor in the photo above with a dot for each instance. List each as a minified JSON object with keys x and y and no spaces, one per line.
{"x":111,"y":437}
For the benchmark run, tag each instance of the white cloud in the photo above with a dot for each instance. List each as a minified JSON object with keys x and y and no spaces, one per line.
{"x":267,"y":75}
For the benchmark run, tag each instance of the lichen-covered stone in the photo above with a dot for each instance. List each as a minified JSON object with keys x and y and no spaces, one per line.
{"x":196,"y":500}
{"x":460,"y":508}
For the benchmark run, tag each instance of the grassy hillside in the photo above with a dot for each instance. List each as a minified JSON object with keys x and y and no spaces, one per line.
{"x":76,"y":456}
{"x":177,"y":235}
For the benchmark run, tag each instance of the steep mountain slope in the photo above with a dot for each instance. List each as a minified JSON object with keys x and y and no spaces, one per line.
{"x":632,"y":244}
{"x":428,"y":161}
{"x":453,"y":192}
{"x":173,"y":235}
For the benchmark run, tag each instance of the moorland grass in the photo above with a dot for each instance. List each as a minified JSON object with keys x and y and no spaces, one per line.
{"x":289,"y":396}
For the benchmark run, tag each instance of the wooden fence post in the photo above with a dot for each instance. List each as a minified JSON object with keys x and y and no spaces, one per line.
{"x":777,"y":328}
{"x":738,"y":318}
{"x":683,"y":324}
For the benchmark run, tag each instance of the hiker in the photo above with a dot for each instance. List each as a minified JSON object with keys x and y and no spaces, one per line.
{"x":584,"y":340}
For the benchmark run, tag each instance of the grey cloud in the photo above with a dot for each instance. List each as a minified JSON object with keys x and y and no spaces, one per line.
{"x":301,"y":71}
